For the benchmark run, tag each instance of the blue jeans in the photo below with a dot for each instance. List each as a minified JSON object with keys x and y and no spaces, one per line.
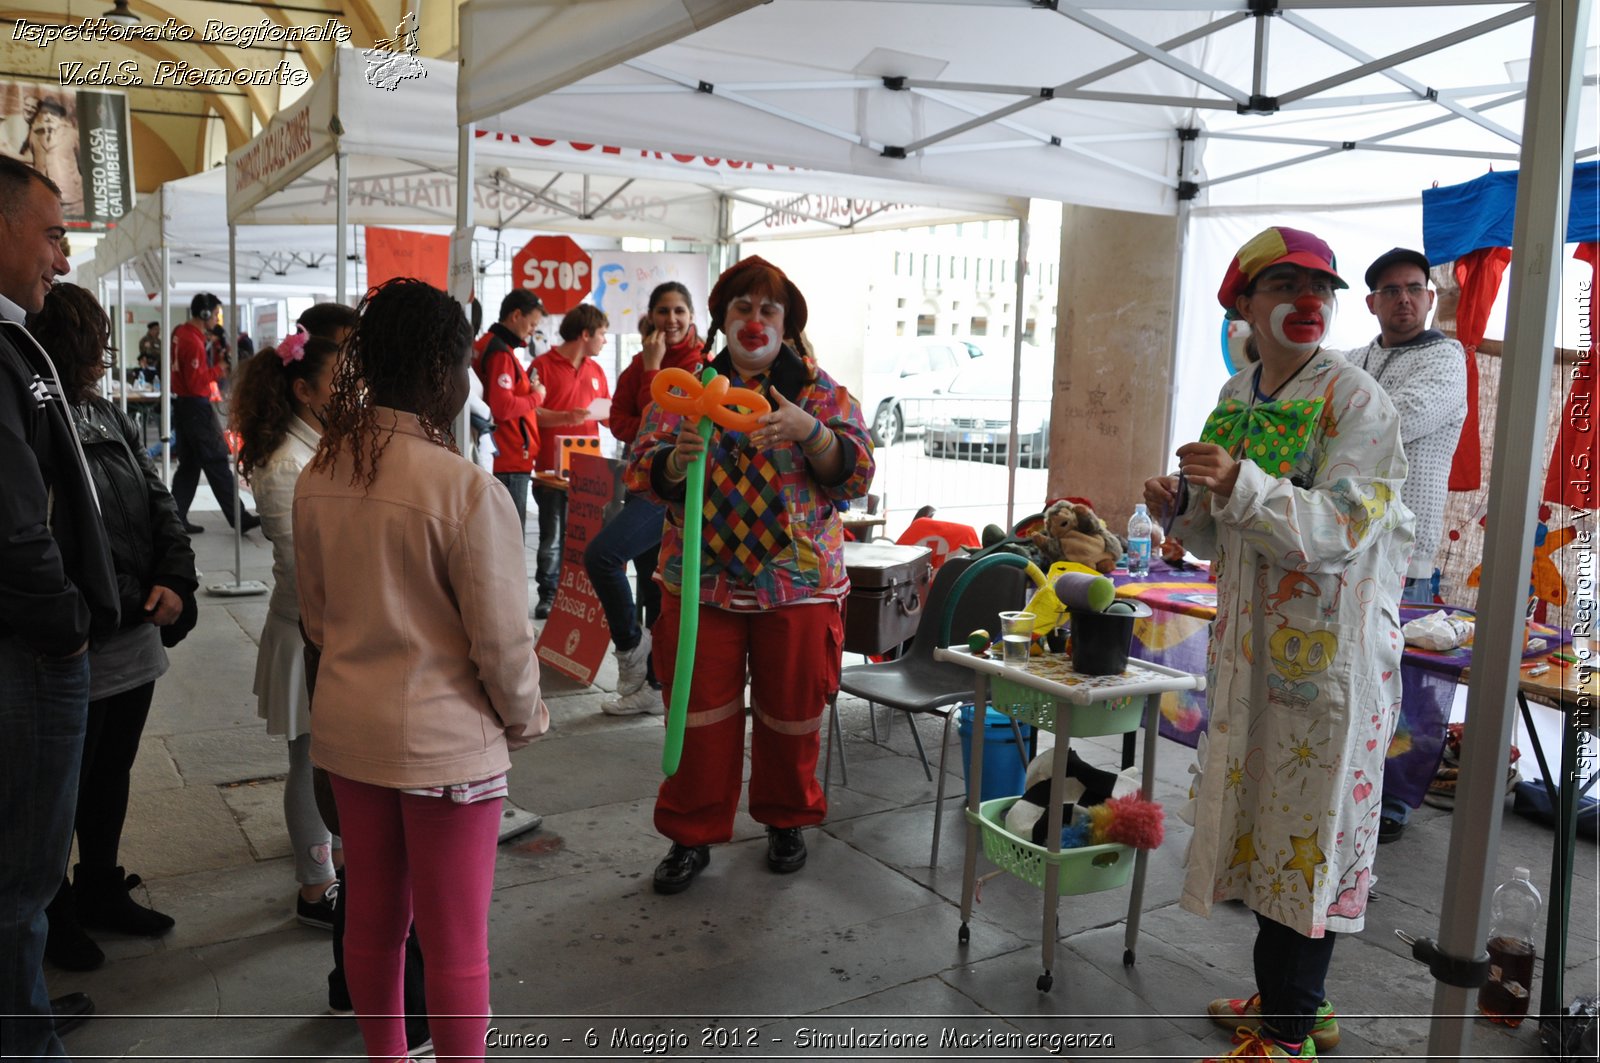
{"x":634,"y":534}
{"x":44,"y":703}
{"x":1418,"y":591}
{"x":517,"y":483}
{"x":1291,"y":972}
{"x":552,"y":503}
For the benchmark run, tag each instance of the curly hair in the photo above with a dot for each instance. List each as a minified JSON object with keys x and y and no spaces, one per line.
{"x":75,"y":331}
{"x":411,"y":338}
{"x":263,"y":399}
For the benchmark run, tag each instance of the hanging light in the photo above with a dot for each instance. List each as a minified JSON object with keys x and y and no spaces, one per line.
{"x":120,"y":14}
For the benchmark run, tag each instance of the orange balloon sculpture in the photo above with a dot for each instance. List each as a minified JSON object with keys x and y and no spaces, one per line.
{"x":716,"y":400}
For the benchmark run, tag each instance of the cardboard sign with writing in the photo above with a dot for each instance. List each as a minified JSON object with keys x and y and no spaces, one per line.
{"x":575,"y":638}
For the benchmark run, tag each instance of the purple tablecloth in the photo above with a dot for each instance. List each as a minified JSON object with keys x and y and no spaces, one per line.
{"x":1184,"y":602}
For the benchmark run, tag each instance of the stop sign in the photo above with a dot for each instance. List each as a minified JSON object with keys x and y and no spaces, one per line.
{"x":555,"y":269}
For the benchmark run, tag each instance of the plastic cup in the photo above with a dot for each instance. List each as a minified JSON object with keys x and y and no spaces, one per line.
{"x":1016,"y":634}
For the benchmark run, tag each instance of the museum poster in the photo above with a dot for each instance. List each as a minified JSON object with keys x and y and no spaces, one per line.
{"x":79,"y":139}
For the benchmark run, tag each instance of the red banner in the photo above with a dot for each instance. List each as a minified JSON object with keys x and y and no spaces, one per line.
{"x":395,"y":253}
{"x":575,"y":638}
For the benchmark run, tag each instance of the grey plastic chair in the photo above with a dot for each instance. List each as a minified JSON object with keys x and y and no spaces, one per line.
{"x":916,"y":683}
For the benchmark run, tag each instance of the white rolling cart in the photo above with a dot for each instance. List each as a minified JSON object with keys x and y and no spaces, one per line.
{"x":1048,"y":694}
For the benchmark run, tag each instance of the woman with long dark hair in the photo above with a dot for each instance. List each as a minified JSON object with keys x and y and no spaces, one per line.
{"x":277,"y":409}
{"x":634,"y":534}
{"x":413,"y":589}
{"x":156,"y":581}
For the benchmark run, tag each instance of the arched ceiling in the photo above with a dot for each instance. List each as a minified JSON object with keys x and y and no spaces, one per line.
{"x":177,"y":65}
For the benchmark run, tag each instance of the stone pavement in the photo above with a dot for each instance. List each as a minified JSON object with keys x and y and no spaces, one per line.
{"x":861,"y":943}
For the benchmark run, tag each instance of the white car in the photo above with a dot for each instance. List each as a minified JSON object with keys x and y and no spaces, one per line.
{"x":904,"y":377}
{"x":973,"y":417}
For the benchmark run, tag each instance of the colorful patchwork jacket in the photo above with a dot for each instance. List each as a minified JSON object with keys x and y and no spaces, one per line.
{"x":772,"y":533}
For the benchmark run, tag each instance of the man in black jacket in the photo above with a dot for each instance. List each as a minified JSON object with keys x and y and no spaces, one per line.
{"x":56,"y":590}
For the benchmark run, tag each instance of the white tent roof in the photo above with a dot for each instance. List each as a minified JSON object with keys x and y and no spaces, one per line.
{"x":189,"y":218}
{"x":402,"y":173}
{"x":1076,"y":101}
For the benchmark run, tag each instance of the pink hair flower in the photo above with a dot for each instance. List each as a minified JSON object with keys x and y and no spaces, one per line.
{"x":293,"y":348}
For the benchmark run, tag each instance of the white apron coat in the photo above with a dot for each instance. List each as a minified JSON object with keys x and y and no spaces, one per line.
{"x":1303,"y":668}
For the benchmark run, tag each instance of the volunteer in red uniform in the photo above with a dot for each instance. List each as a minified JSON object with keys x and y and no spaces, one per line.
{"x":572,"y":381}
{"x":513,"y":394}
{"x":199,"y":446}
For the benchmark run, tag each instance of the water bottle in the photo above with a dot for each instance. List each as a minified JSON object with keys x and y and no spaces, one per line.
{"x":1515,"y":909}
{"x":1139,"y":529}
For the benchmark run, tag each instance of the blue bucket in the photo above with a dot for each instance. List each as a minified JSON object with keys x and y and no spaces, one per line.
{"x":1003,"y":770}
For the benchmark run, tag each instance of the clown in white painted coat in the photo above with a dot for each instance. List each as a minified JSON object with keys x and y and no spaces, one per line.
{"x":1294,"y":493}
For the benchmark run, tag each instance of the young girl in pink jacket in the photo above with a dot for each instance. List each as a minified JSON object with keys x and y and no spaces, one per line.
{"x":412,"y":585}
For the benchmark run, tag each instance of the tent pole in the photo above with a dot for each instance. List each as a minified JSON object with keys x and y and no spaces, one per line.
{"x":122,"y":338}
{"x":240,"y":587}
{"x":166,"y":368}
{"x":1018,"y":318}
{"x":341,"y":239}
{"x":1186,"y":194}
{"x":466,"y":187}
{"x":1543,"y":188}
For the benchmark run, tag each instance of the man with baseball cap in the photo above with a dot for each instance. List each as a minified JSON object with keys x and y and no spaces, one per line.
{"x":1424,"y":373}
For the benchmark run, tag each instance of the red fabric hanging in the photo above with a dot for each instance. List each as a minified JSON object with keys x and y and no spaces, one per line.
{"x":1571,"y":476}
{"x":1478,"y":275}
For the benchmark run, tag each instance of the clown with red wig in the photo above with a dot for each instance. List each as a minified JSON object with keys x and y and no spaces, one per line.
{"x":772,"y":583}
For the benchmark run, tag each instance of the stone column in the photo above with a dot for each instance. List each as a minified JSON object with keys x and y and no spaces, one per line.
{"x":1115,"y":310}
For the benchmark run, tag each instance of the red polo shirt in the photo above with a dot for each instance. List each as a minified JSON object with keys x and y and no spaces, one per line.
{"x":567,"y":387}
{"x":192,"y":371}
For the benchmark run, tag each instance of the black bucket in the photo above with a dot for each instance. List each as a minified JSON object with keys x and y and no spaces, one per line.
{"x":1100,"y":641}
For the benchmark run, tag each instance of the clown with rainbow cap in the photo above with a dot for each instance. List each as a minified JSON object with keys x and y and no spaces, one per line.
{"x":772,"y":581}
{"x":1293,"y":492}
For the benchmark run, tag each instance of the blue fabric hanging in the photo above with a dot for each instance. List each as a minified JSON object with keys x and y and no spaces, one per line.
{"x":1459,"y":219}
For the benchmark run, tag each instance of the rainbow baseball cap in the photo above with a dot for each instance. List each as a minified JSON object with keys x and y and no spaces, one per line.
{"x":1269,"y":247}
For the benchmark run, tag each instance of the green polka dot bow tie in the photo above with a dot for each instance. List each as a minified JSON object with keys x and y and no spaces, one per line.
{"x":1271,"y":434}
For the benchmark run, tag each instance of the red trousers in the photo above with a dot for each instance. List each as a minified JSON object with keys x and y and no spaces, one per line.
{"x":791,"y":656}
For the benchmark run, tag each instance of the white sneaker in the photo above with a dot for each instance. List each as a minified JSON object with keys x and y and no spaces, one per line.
{"x":646,"y":699}
{"x":632,"y":666}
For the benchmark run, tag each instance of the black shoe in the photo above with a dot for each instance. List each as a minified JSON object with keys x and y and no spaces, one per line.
{"x":70,"y":1011}
{"x":318,"y":913}
{"x":786,"y":849}
{"x":542,"y":610}
{"x":682,"y":864}
{"x":339,"y":994}
{"x":1389,"y":830}
{"x":104,"y":903}
{"x":192,"y":529}
{"x":249,"y":522}
{"x":67,"y":945}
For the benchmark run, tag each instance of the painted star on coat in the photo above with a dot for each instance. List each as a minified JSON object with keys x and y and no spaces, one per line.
{"x":1244,"y":850}
{"x":1307,"y":857}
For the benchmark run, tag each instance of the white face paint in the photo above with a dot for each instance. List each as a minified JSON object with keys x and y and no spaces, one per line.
{"x":755,"y":332}
{"x":1299,"y":329}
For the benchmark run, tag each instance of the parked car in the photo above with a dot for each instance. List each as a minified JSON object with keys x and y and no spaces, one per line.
{"x":972,"y":419}
{"x":904,"y":376}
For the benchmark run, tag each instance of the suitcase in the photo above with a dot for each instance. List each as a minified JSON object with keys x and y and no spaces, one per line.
{"x":888,"y":586}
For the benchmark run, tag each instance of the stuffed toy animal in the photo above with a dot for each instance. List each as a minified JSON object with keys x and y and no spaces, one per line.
{"x":1072,"y":532}
{"x":1085,"y":785}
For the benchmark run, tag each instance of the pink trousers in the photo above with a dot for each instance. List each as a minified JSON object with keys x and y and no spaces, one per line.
{"x":432,"y":860}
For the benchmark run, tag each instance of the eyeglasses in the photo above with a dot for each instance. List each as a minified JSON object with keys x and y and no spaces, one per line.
{"x":1317,"y":286}
{"x":1392,"y":291}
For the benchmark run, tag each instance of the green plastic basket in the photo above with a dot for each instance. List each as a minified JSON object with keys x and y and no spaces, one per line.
{"x":1088,"y":870}
{"x":1028,"y":705}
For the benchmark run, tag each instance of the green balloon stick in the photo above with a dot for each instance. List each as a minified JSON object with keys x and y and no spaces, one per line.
{"x":694,"y":502}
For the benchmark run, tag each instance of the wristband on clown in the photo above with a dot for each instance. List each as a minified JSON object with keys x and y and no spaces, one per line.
{"x":819,"y":441}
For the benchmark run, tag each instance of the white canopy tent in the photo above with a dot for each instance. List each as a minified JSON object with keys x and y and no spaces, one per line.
{"x":1152,"y":106}
{"x":403,"y":173}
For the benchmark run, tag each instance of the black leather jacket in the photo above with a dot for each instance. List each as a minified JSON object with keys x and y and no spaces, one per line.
{"x":56,"y":585}
{"x":148,"y":544}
